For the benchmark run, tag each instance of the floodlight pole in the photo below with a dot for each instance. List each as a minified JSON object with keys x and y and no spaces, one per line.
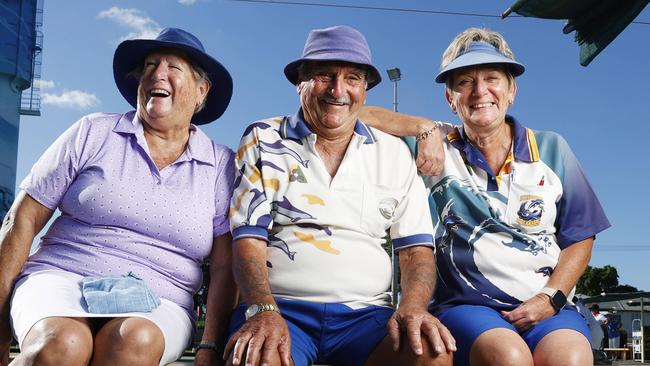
{"x":394,"y":75}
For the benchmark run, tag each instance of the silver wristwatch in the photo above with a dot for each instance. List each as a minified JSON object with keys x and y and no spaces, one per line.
{"x":260,"y":308}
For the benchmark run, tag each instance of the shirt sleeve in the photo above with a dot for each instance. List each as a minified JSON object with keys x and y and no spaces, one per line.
{"x":55,"y":170}
{"x":250,"y":211}
{"x":580,"y":214}
{"x":223,"y":192}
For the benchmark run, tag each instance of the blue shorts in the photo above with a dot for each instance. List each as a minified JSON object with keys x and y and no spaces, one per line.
{"x":467,"y":322}
{"x":328,"y":333}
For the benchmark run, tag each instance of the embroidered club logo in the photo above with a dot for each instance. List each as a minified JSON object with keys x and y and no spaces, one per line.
{"x":530,"y":211}
{"x":387,"y":207}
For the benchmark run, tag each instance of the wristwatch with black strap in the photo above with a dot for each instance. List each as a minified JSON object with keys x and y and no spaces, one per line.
{"x":557,"y":298}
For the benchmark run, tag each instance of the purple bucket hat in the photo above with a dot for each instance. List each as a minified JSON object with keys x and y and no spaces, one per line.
{"x":129,"y":54}
{"x":339,"y":43}
{"x":479,"y":53}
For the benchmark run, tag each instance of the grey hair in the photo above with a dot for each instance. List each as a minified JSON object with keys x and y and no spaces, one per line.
{"x":305,"y":69}
{"x":464,"y":39}
{"x":198,"y":72}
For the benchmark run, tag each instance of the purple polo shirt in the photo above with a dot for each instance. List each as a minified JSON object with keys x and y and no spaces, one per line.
{"x":120,"y":214}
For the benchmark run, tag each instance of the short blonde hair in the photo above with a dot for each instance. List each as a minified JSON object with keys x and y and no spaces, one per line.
{"x":464,"y":39}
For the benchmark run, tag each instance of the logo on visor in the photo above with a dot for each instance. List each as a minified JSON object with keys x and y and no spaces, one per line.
{"x":530,"y":211}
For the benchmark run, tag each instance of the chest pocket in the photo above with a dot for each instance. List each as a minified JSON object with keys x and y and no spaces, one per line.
{"x":380,"y":207}
{"x":532,"y":208}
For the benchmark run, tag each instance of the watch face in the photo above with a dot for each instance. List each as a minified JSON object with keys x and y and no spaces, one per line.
{"x":559,"y":299}
{"x":252,"y":310}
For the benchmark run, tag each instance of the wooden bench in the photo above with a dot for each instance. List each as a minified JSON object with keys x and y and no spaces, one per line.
{"x":622,"y":352}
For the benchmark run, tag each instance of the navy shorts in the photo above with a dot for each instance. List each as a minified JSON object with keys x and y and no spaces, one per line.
{"x":328,"y":333}
{"x":467,"y":322}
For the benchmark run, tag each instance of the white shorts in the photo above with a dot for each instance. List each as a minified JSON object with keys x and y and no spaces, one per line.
{"x":55,"y":293}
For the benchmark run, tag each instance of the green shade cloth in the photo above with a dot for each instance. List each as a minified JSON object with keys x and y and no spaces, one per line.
{"x":596,"y":23}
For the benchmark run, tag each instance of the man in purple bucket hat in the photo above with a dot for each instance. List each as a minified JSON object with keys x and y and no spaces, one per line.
{"x":315,"y":194}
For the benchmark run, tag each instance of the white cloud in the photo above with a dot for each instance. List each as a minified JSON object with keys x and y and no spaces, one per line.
{"x":141,"y":26}
{"x":45,"y":84}
{"x":70,"y":99}
{"x":187,"y":2}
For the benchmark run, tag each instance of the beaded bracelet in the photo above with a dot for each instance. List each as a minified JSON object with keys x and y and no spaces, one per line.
{"x":209,"y":345}
{"x":423,"y":135}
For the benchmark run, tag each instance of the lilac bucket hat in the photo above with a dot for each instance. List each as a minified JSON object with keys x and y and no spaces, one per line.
{"x":129,"y":54}
{"x":479,"y":53}
{"x":339,"y":43}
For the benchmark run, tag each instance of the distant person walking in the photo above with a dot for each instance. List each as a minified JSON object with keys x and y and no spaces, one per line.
{"x":613,"y":330}
{"x":602,"y":319}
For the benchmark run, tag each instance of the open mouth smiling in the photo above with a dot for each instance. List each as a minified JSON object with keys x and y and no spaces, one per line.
{"x":482,"y":105}
{"x":334,"y":102}
{"x":159,"y":93}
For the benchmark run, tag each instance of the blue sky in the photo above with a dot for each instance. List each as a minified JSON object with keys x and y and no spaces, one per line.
{"x":602,"y":110}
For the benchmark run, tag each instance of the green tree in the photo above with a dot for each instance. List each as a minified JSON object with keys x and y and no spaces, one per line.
{"x":596,"y":280}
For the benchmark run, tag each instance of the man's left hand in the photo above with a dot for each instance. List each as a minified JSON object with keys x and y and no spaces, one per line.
{"x":530,"y":312}
{"x":415,"y":322}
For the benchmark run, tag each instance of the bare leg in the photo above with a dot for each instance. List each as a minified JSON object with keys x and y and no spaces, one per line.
{"x":500,"y":347}
{"x":57,"y":341}
{"x":384,"y":355}
{"x":563,"y":347}
{"x":128,"y":341}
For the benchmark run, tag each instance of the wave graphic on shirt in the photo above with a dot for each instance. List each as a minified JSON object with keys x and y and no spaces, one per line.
{"x":472,"y":254}
{"x":278,"y":148}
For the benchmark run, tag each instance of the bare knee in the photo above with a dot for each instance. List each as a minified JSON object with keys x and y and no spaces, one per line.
{"x":132,"y":341}
{"x":500,"y":346}
{"x":384,"y":355}
{"x":563,"y":347}
{"x":57,"y":341}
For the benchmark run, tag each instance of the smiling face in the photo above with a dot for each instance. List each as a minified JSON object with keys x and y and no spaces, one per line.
{"x":481,"y":96}
{"x":332,"y":94}
{"x":169,"y":89}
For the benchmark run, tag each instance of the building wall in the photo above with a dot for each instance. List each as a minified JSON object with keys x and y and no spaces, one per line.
{"x":17,"y":47}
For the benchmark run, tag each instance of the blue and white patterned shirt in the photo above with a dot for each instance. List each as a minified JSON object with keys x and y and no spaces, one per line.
{"x":499,"y":235}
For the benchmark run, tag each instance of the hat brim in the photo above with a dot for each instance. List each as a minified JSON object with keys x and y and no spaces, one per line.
{"x":130,"y":54}
{"x":476,"y":58}
{"x":291,"y":70}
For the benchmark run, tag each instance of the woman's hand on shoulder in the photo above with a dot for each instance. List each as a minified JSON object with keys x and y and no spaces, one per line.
{"x":431,"y":153}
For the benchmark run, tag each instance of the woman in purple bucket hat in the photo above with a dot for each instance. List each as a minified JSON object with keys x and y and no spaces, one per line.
{"x":144,"y":198}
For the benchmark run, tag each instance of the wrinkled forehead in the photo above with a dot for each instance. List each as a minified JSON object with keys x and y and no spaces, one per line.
{"x":168,"y":52}
{"x":335,"y":66}
{"x":484,"y":68}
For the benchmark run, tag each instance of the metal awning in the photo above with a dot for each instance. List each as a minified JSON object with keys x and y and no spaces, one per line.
{"x":596,"y":23}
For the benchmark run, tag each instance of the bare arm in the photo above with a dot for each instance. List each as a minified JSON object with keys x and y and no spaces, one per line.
{"x":571,"y":264}
{"x":222,"y":299}
{"x":431,"y":154}
{"x":24,"y":220}
{"x":264,"y":334}
{"x":397,"y":124}
{"x":418,"y":269}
